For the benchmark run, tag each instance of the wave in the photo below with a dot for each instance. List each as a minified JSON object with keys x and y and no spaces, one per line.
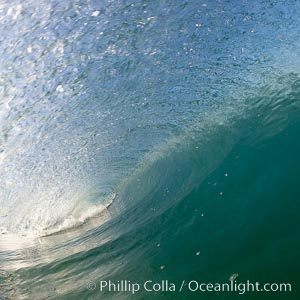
{"x":147,"y":140}
{"x":199,"y":186}
{"x":173,"y":169}
{"x":168,"y":174}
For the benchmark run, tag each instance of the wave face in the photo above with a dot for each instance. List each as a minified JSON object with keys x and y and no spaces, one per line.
{"x":135,"y":135}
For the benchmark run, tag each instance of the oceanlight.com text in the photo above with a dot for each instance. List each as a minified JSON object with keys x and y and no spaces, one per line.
{"x":127,"y":286}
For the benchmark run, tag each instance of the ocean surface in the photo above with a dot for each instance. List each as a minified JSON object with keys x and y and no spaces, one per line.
{"x":148,"y":140}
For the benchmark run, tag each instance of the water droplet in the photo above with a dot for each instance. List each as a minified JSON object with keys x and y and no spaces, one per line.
{"x":95,"y":13}
{"x":233,"y":277}
{"x":59,"y":88}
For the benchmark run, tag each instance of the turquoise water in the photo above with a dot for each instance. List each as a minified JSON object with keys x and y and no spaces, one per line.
{"x":148,"y":140}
